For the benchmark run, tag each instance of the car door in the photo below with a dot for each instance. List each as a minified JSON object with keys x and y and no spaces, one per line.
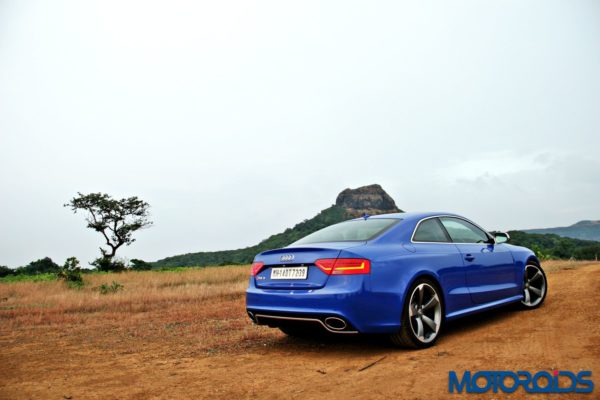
{"x":434,"y":249}
{"x":489,"y":267}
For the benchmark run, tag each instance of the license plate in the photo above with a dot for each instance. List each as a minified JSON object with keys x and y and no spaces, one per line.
{"x":289,"y":273}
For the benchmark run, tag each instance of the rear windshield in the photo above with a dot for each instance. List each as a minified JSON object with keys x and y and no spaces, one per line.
{"x":355,"y":230}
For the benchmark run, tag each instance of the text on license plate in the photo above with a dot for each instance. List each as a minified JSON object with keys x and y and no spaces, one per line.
{"x":289,"y":273}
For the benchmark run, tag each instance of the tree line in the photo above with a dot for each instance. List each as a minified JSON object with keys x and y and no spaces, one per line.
{"x":116,"y":220}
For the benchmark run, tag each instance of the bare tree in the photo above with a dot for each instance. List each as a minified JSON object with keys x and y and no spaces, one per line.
{"x":116,"y":220}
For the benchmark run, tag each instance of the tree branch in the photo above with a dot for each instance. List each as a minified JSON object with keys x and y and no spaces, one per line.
{"x":102,"y":230}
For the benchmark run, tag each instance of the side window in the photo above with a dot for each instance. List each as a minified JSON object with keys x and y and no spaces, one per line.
{"x":461,"y":231}
{"x":430,"y":230}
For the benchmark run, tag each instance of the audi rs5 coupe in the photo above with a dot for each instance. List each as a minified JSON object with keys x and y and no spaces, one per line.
{"x":403,"y":274}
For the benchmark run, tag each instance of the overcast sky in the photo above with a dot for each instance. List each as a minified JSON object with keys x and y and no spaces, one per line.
{"x":237,"y":119}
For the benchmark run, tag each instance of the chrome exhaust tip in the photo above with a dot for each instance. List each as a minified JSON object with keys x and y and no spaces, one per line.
{"x":335,"y":323}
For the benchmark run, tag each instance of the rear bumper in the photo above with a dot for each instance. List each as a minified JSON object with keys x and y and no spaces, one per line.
{"x":344,"y":297}
{"x":333,"y":323}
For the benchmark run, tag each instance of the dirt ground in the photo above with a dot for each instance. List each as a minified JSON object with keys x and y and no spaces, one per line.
{"x":173,"y":350}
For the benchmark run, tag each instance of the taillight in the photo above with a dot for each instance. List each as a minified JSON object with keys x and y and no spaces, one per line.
{"x":344,"y":266}
{"x":256,"y":268}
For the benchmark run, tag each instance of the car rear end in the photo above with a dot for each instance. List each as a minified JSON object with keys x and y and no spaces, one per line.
{"x":325,"y":280}
{"x":319,"y":285}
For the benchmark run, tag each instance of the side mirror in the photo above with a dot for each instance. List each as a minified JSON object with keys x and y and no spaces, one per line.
{"x":501,"y":237}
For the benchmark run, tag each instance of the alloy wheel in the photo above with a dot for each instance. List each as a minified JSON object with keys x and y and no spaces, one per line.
{"x":425,"y":312}
{"x":534,"y":288}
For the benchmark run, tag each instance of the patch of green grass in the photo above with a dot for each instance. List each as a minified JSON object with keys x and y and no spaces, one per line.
{"x":75,"y":284}
{"x":105,"y":288}
{"x":28,"y":278}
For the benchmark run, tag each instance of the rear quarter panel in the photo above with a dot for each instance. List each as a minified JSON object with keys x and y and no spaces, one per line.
{"x":395,"y":267}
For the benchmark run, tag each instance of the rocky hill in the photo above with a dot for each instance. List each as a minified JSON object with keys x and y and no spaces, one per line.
{"x":370,"y":200}
{"x":350,"y":203}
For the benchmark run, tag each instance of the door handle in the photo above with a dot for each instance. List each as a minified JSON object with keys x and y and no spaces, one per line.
{"x":469,"y":257}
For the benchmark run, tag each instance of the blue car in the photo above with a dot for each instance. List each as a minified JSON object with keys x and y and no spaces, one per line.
{"x":402,"y":274}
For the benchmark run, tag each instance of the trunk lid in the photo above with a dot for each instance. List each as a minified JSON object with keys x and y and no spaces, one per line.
{"x":298,"y":257}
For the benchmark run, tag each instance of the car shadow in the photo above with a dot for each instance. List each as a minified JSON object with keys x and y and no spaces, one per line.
{"x":376,"y":344}
{"x":478,"y":320}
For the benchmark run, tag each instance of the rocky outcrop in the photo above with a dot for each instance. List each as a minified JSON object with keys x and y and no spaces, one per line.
{"x":350,"y":203}
{"x":370,"y":200}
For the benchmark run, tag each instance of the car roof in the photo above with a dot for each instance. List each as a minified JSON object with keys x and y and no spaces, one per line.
{"x":411,"y":216}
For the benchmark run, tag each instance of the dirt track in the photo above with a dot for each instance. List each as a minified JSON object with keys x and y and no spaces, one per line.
{"x":39,"y":362}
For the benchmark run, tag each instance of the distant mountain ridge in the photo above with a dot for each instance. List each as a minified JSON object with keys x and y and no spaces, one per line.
{"x":579,"y":241}
{"x":350,"y":203}
{"x":584,"y":230}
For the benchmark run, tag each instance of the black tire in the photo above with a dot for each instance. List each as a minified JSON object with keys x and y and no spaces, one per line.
{"x":534,"y":279}
{"x":407,"y":337}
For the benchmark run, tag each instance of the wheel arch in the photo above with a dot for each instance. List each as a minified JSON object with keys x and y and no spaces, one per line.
{"x":534,"y":259}
{"x":523,"y":258}
{"x":433,"y":278}
{"x":529,"y":259}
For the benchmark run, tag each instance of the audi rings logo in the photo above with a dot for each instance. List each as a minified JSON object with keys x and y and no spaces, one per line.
{"x":287,"y":257}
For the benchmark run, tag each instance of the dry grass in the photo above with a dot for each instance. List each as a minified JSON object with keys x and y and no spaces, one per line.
{"x":205,"y":306}
{"x":556,"y":265}
{"x":186,"y":335}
